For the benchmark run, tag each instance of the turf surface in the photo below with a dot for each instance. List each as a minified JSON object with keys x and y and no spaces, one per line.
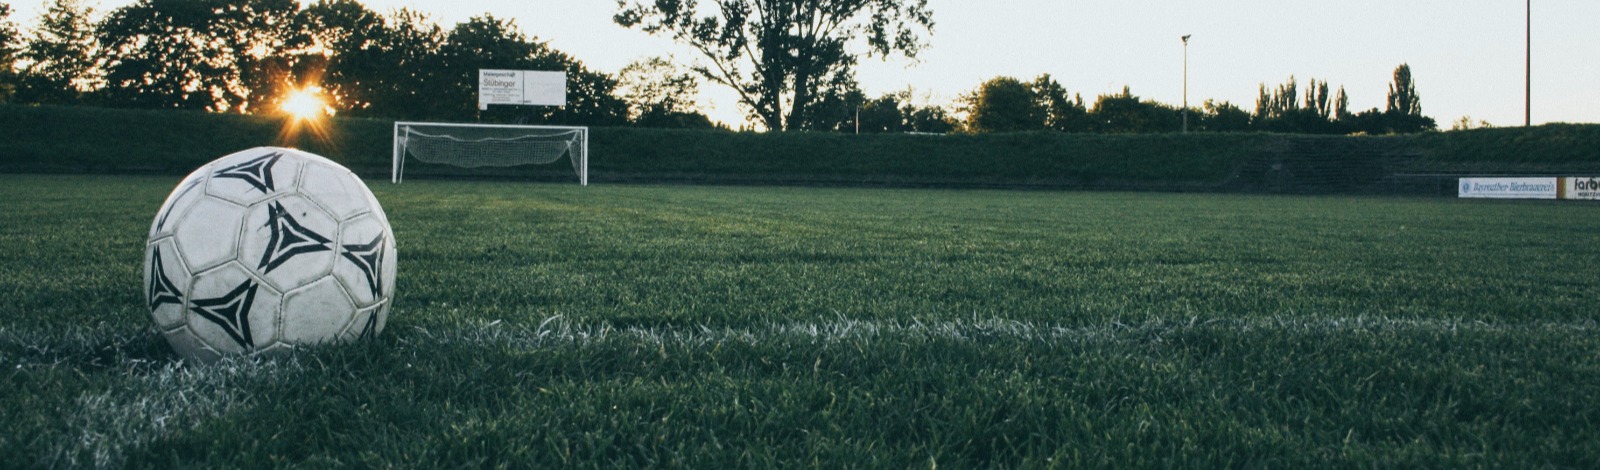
{"x":543,"y":325}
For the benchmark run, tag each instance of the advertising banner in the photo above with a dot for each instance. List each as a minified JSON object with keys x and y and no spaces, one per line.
{"x":1510,"y":188}
{"x":1581,"y":187}
{"x":525,"y":87}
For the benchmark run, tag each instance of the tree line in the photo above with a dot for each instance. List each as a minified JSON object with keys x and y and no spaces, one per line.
{"x":1006,"y":104}
{"x":243,"y":56}
{"x":787,"y":60}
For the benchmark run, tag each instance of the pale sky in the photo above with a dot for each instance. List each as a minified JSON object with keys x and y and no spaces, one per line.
{"x":1466,"y":56}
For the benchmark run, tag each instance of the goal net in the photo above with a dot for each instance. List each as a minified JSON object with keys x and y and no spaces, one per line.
{"x":489,"y":145}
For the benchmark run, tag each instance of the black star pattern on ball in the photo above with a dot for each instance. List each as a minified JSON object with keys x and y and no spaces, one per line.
{"x":257,"y":171}
{"x":369,"y":257}
{"x":231,"y":312}
{"x":289,"y":238}
{"x":161,"y":289}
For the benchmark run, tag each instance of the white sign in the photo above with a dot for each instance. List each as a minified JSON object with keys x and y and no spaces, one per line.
{"x":1581,"y":187}
{"x":1510,"y":188}
{"x":525,"y":87}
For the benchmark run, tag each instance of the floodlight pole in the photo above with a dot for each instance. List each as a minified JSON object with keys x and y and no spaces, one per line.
{"x":1186,"y":82}
{"x":1527,"y":102}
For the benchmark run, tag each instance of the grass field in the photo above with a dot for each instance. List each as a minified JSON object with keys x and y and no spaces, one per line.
{"x":554,"y":325}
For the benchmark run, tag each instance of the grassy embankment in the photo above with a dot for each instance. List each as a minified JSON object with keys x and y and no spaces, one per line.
{"x":71,"y":140}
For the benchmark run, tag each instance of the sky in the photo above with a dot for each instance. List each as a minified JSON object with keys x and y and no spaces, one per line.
{"x":1467,"y":57}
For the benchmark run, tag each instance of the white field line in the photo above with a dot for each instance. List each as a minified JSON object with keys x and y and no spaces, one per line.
{"x":558,"y":331}
{"x":144,"y":400}
{"x":148,"y":407}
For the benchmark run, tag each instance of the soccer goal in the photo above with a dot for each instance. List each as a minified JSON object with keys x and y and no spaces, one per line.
{"x":489,"y":145}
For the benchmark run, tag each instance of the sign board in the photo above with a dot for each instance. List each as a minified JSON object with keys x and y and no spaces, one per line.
{"x":525,"y":87}
{"x":1581,"y":187}
{"x":1509,"y":188}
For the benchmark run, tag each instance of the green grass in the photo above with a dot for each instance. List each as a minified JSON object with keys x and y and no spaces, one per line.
{"x":554,"y":325}
{"x":1550,"y":148}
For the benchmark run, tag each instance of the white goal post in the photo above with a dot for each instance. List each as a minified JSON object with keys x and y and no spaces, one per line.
{"x":489,"y":145}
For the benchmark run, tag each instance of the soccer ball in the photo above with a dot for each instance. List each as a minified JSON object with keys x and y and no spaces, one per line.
{"x":268,"y":249}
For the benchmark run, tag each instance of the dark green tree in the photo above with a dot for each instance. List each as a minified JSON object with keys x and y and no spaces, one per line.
{"x":1404,"y":111}
{"x":1284,"y":109}
{"x":1341,"y":106}
{"x":60,"y":56}
{"x":834,"y":106}
{"x":1277,"y":108}
{"x":8,"y":54}
{"x":1317,"y":101}
{"x":342,"y":39}
{"x":1223,"y":117}
{"x":192,"y":54}
{"x":659,"y":93}
{"x":1004,"y":104}
{"x":883,"y":114}
{"x":895,"y":113}
{"x":1060,"y":112}
{"x":1373,"y":121}
{"x":929,"y":119}
{"x":1126,"y":114}
{"x":1403,"y":97}
{"x":785,"y":58}
{"x":397,"y":72}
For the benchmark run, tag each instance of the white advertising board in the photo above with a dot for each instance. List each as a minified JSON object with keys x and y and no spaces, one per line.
{"x":1581,"y":187}
{"x":1509,"y":188}
{"x":524,"y":87}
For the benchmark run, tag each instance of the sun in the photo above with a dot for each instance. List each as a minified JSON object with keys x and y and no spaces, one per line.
{"x":307,"y":115}
{"x":305,"y":103}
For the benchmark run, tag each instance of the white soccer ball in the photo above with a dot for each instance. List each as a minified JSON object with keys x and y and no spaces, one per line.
{"x":268,"y":249}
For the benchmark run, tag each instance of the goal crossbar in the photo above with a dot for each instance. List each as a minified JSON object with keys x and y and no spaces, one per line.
{"x":489,"y":145}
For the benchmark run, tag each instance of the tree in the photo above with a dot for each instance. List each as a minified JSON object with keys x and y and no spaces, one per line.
{"x":1125,"y":113}
{"x":661,"y":94}
{"x":834,"y":106}
{"x":896,"y":112}
{"x":1060,"y":112}
{"x":1004,"y":104}
{"x":192,"y":54}
{"x":341,"y":39}
{"x":1223,"y":117}
{"x":784,"y":58}
{"x":1317,"y":102}
{"x":8,"y":53}
{"x":1275,"y":109}
{"x":396,"y":72}
{"x":1403,"y":97}
{"x":1404,"y":112}
{"x":1341,"y":105}
{"x":60,"y":55}
{"x":1315,"y":112}
{"x":883,"y":115}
